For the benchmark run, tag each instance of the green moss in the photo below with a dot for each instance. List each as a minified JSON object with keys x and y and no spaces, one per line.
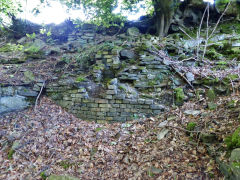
{"x":212,"y":106}
{"x":233,"y":141}
{"x":10,"y":153}
{"x":229,"y":78}
{"x":152,"y":83}
{"x":213,"y":54}
{"x":43,"y":175}
{"x":179,"y":94}
{"x":236,"y":164}
{"x":210,"y":81}
{"x":191,"y":126}
{"x":211,"y":94}
{"x":32,"y":50}
{"x":80,"y":79}
{"x":65,"y":164}
{"x":98,"y":129}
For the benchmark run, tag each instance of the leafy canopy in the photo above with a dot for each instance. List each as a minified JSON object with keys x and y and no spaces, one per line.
{"x":7,"y":8}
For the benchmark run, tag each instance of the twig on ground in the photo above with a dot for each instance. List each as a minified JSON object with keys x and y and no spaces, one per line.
{"x":182,"y":76}
{"x":185,"y":33}
{"x":35,"y":107}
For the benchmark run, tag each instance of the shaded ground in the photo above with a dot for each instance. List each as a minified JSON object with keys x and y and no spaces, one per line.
{"x":55,"y":142}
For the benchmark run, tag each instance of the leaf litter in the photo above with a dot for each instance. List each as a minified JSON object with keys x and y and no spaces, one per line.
{"x":55,"y":142}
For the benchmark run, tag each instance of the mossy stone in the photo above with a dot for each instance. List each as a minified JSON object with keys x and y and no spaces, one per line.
{"x":29,"y":76}
{"x":211,"y":94}
{"x":179,"y":94}
{"x":233,"y":141}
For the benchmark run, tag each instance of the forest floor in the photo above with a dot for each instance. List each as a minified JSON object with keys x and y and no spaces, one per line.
{"x":51,"y":141}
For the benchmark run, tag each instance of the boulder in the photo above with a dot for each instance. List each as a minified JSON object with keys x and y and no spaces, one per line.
{"x":127,"y":54}
{"x":12,"y":103}
{"x":133,"y":32}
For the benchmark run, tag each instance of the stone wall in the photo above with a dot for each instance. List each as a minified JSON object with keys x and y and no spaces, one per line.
{"x":124,"y":82}
{"x":113,"y":108}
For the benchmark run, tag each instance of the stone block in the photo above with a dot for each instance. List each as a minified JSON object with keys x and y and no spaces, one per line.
{"x":123,"y":105}
{"x":112,"y":102}
{"x":98,"y":56}
{"x":129,"y":106}
{"x":109,"y":118}
{"x":113,"y":110}
{"x":157,"y":107}
{"x":101,"y":101}
{"x":125,"y":114}
{"x":120,"y":96}
{"x":115,"y":105}
{"x":141,"y":101}
{"x":105,"y":105}
{"x":86,"y":101}
{"x":92,"y":105}
{"x":149,"y":101}
{"x":127,"y":110}
{"x":155,"y":112}
{"x":84,"y":108}
{"x":108,"y":56}
{"x":79,"y":96}
{"x":119,"y":101}
{"x":112,"y":87}
{"x":66,"y":98}
{"x":145,"y":107}
{"x":101,"y":121}
{"x":126,"y":101}
{"x":101,"y":114}
{"x":109,"y":97}
{"x":133,"y":101}
{"x":113,"y":114}
{"x":96,"y":109}
{"x":134,"y":110}
{"x":111,"y":92}
{"x":82,"y":90}
{"x":120,"y":119}
{"x":104,"y":109}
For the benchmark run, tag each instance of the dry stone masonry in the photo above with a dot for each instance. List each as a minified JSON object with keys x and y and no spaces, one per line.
{"x":123,"y":81}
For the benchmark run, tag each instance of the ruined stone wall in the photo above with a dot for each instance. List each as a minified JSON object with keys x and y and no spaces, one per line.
{"x":112,"y":91}
{"x":112,"y":108}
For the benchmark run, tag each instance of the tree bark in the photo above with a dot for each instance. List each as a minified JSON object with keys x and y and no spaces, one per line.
{"x":164,"y":11}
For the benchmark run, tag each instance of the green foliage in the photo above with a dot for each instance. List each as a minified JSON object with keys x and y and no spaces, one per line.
{"x":9,"y":7}
{"x":43,"y":175}
{"x":10,"y":153}
{"x":32,"y":50}
{"x":31,"y":36}
{"x":191,"y":126}
{"x":11,"y":47}
{"x":179,"y":94}
{"x":233,"y":141}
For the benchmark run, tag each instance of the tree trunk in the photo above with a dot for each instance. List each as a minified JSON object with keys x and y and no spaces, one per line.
{"x":164,"y":11}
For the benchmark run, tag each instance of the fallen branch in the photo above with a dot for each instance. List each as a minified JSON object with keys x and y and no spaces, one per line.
{"x":182,"y":129}
{"x":35,"y":107}
{"x":182,"y":76}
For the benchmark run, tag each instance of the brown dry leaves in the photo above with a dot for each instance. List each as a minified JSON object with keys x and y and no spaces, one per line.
{"x":53,"y":141}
